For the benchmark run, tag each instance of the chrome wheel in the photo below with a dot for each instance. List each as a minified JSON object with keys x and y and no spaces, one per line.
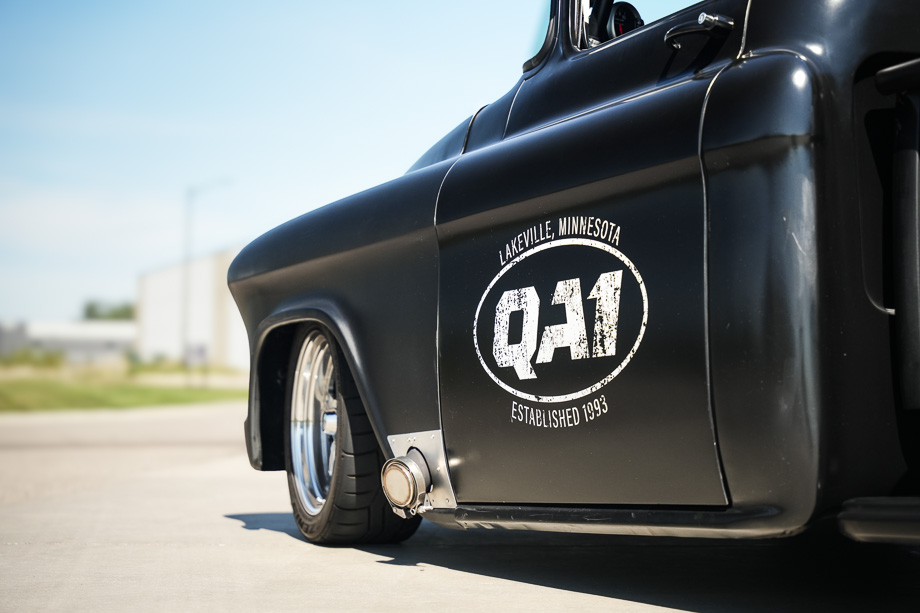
{"x":314,"y":422}
{"x":332,"y":455}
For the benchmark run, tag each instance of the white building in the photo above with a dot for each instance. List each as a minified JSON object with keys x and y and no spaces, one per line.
{"x":95,"y":342}
{"x":196,"y":312}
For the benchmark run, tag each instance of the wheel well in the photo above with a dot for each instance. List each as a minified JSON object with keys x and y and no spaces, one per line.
{"x":273,"y":369}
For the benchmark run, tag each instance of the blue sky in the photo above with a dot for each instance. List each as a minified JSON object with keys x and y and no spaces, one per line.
{"x":110,"y":110}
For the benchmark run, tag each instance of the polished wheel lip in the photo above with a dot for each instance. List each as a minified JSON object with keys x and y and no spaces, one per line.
{"x":314,"y":422}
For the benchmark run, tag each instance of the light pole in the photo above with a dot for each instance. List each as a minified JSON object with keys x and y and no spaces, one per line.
{"x":192,"y":193}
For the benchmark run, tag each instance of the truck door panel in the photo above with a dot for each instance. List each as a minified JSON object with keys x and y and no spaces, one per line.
{"x":572,"y":308}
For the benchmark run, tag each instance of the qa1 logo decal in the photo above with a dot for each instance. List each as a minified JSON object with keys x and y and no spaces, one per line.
{"x":559,"y":322}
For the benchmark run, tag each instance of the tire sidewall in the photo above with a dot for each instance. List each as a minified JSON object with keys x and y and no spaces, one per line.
{"x":312,"y":526}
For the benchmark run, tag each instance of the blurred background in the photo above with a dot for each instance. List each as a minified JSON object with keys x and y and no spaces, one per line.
{"x":143,"y":144}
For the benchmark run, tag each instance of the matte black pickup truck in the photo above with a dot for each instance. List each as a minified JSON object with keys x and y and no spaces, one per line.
{"x":669,"y":284}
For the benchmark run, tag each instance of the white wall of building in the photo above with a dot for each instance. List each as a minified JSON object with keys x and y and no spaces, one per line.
{"x":215,"y":333}
{"x":94,"y":342}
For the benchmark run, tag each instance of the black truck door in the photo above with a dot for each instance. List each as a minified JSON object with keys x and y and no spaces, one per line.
{"x":572,"y":318}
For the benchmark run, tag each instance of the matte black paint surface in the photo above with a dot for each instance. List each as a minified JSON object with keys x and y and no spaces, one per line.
{"x":657,"y":445}
{"x":751,"y":176}
{"x":384,"y":243}
{"x":800,"y":354}
{"x":596,"y":149}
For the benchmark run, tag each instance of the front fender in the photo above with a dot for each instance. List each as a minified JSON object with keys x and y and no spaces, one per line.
{"x":367,"y":269}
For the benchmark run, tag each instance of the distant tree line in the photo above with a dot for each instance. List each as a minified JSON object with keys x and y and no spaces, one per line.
{"x":95,"y":309}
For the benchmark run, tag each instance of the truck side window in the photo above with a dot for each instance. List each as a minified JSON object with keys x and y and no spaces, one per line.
{"x":599,"y":21}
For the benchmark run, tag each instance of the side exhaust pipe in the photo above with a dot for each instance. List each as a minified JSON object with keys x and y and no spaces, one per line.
{"x":406,"y":482}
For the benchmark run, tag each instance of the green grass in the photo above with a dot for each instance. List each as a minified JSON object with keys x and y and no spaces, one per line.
{"x":34,"y":394}
{"x":174,"y":368}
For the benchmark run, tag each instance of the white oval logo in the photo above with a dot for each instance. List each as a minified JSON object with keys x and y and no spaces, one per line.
{"x":532,"y":315}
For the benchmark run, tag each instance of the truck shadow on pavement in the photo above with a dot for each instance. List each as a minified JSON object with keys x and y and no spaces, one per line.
{"x":273,"y":522}
{"x":818,"y":571}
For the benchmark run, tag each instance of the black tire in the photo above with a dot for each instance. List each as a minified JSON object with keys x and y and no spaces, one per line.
{"x":344,"y":504}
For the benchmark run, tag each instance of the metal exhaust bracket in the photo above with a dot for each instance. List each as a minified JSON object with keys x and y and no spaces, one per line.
{"x":417,"y":480}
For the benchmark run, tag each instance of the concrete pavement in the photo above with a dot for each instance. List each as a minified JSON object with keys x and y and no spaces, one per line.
{"x":158,"y":510}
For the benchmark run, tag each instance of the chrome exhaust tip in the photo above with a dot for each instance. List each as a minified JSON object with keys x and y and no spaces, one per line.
{"x":406,"y":482}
